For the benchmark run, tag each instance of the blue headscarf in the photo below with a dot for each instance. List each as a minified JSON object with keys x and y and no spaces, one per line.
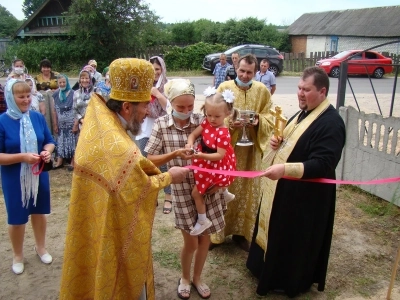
{"x":63,"y":92}
{"x":28,"y":144}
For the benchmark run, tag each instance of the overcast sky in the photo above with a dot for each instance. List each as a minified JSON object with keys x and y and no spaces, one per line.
{"x":279,"y":12}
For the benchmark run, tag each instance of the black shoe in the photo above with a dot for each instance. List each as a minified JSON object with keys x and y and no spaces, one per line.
{"x":58,"y":167}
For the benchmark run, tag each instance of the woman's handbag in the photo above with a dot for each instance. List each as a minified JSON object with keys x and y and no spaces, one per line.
{"x":46,"y":166}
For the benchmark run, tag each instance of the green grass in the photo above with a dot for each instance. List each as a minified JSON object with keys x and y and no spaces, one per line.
{"x":373,"y":206}
{"x":165,"y":231}
{"x":331,"y":294}
{"x":364,"y":285}
{"x":167,"y":259}
{"x":378,"y":208}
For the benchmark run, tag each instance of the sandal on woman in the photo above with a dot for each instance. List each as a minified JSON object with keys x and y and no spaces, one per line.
{"x":203,"y":290}
{"x":167,"y":210}
{"x":183,"y":289}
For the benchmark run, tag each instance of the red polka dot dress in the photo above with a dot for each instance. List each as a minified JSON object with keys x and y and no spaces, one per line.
{"x":213,"y":138}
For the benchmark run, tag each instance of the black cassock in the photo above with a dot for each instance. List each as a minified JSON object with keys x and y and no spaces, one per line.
{"x":301,"y":224}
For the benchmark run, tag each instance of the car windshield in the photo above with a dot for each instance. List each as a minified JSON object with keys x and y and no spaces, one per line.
{"x":234,"y":49}
{"x":342,"y":54}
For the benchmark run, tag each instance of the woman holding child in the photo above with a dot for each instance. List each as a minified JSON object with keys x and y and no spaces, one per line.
{"x":167,"y":145}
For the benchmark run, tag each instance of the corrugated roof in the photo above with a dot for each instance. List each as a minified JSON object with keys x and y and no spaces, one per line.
{"x":367,"y":22}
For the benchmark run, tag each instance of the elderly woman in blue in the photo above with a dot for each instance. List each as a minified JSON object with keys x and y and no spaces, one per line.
{"x":25,"y":140}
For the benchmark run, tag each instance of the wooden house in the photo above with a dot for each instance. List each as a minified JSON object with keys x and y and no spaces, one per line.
{"x":46,"y":21}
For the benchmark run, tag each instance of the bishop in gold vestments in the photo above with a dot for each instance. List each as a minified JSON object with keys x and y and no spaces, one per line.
{"x":111,"y":211}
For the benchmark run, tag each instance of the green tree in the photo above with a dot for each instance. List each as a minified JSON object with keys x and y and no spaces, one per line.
{"x":206,"y":31}
{"x":251,"y":30}
{"x":113,"y":28}
{"x":183,"y":33}
{"x":30,"y":6}
{"x":8,"y":23}
{"x":240,"y":32}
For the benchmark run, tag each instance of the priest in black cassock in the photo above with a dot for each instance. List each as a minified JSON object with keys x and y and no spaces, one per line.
{"x":293,"y":232}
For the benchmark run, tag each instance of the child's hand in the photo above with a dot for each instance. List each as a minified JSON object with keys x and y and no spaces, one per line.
{"x":198,"y":154}
{"x":189,"y":149}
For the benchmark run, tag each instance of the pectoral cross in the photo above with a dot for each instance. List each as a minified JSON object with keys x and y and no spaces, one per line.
{"x":280,"y":121}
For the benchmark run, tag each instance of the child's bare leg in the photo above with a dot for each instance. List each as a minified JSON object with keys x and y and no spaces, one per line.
{"x":202,"y":221}
{"x":199,"y":201}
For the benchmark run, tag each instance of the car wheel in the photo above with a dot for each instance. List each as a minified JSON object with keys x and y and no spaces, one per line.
{"x":378,"y":73}
{"x":274,"y":69}
{"x":335,"y":72}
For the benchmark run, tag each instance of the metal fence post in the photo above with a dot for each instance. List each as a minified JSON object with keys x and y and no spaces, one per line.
{"x":341,"y":94}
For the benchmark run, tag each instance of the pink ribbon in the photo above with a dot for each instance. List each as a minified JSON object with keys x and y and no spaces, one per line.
{"x":253,"y":174}
{"x":39,"y":165}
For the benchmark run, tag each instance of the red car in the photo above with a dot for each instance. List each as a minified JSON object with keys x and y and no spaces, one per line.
{"x":368,"y":62}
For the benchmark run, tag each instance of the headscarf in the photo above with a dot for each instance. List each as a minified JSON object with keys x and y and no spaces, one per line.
{"x":162,"y":80}
{"x":86,"y":91}
{"x":105,"y":70}
{"x":178,"y":87}
{"x":89,"y":69}
{"x":33,"y":89}
{"x":63,"y":92}
{"x":28,"y":144}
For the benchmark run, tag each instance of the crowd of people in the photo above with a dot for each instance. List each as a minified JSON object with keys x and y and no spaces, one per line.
{"x":285,"y":225}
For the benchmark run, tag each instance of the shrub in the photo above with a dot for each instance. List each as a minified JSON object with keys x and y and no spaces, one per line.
{"x":69,"y":55}
{"x":64,"y":54}
{"x":190,"y":57}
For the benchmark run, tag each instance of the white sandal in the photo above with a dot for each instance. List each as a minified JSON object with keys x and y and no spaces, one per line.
{"x":183,"y":288}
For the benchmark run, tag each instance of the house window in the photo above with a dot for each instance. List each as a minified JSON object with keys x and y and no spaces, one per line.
{"x":50,"y":21}
{"x":334,"y":43}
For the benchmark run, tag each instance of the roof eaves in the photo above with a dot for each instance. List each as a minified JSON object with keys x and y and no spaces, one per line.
{"x":30,"y":18}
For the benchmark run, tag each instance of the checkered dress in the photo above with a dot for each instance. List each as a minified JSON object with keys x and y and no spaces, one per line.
{"x":165,"y":138}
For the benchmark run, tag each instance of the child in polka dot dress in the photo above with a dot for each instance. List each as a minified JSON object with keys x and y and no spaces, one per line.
{"x":214,"y":152}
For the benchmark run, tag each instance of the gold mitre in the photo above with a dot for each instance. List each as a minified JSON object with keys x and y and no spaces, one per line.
{"x":131,"y":79}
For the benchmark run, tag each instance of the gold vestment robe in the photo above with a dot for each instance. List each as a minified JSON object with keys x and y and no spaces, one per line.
{"x":113,"y":200}
{"x":241,"y":215}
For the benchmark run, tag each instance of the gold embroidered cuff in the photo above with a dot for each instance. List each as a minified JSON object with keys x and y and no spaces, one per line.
{"x":295,"y":170}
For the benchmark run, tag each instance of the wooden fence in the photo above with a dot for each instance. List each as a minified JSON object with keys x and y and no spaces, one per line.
{"x":297,"y":62}
{"x":150,"y":51}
